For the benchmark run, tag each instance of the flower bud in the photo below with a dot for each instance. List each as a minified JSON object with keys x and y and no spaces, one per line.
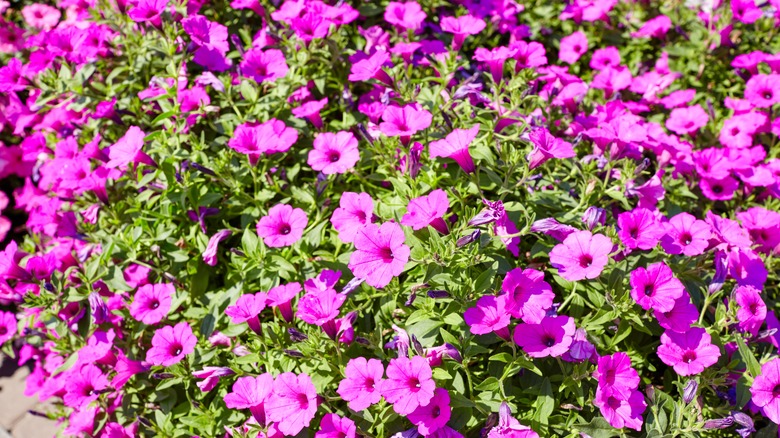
{"x":721,"y":423}
{"x":296,"y":336}
{"x":98,"y":308}
{"x":435,"y":294}
{"x":690,"y":390}
{"x":594,"y":216}
{"x":465,"y":240}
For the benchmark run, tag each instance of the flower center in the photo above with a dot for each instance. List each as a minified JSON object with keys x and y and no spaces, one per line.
{"x":613,"y":403}
{"x":176,"y":349}
{"x":689,"y":125}
{"x":285,"y":229}
{"x":767,"y":94}
{"x":633,"y":233}
{"x":414,"y":384}
{"x":548,"y":341}
{"x":717,"y":189}
{"x":386,"y":254}
{"x":3,"y":331}
{"x":334,"y":157}
{"x":753,"y":308}
{"x":776,"y":391}
{"x":586,"y":260}
{"x":436,"y":412}
{"x":689,"y":356}
{"x":686,"y":238}
{"x":154,"y":304}
{"x":734,"y":131}
{"x":649,"y":290}
{"x":303,"y":401}
{"x":370,"y":383}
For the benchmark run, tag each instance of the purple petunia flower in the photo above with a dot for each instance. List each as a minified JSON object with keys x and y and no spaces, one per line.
{"x":639,"y":228}
{"x":434,"y":415}
{"x":766,"y":390}
{"x":616,"y":377}
{"x":428,"y":210}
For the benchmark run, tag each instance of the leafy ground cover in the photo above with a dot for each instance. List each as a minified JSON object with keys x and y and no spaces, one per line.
{"x":338,"y":219}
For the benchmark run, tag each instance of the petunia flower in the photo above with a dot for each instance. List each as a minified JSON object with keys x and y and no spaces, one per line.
{"x":529,"y":297}
{"x":751,"y":310}
{"x":428,"y":210}
{"x":311,"y":111}
{"x":406,"y":16}
{"x":170,"y":344}
{"x":152,"y":303}
{"x":409,"y":384}
{"x":128,"y":150}
{"x":551,"y":336}
{"x":404,"y":121}
{"x":354,"y":212}
{"x":334,"y":152}
{"x":762,"y":90}
{"x":148,"y":11}
{"x":211,"y":377}
{"x":547,"y":146}
{"x":269,"y":137}
{"x":655,"y":287}
{"x":251,"y":392}
{"x":41,"y":16}
{"x":688,"y":353}
{"x":321,"y":309}
{"x":292,"y":404}
{"x":247,"y":309}
{"x":210,"y":254}
{"x":682,"y":315}
{"x":8,"y":326}
{"x":434,"y":415}
{"x":747,"y":268}
{"x":83,"y":386}
{"x":582,"y":255}
{"x":619,"y":412}
{"x":572,"y":47}
{"x":528,"y":55}
{"x":654,"y":28}
{"x":264,"y":66}
{"x":687,"y":120}
{"x":456,"y":147}
{"x":686,"y":235}
{"x":360,"y":386}
{"x":372,"y":67}
{"x":488,"y":316}
{"x":508,"y":426}
{"x":494,"y":59}
{"x":333,"y":426}
{"x":461,"y":27}
{"x":125,"y":369}
{"x":766,"y":390}
{"x":380,"y":254}
{"x":615,"y":376}
{"x":282,"y":226}
{"x":281,"y":297}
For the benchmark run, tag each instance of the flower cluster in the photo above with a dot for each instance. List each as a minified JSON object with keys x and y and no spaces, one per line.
{"x":340,"y":218}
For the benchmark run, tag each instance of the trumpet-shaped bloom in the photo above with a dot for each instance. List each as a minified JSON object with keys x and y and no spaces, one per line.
{"x":283,"y":226}
{"x":334,"y":152}
{"x":552,"y":336}
{"x":655,"y":287}
{"x":456,"y":147}
{"x":528,"y":295}
{"x":128,"y":150}
{"x":573,"y":47}
{"x":690,"y":352}
{"x":170,"y":344}
{"x":251,"y":392}
{"x":547,"y":146}
{"x":639,"y":228}
{"x":7,"y":326}
{"x":264,"y":66}
{"x":404,"y":121}
{"x":686,"y":235}
{"x":428,"y":210}
{"x":621,"y":413}
{"x":292,"y":404}
{"x":355,"y":211}
{"x":380,"y":254}
{"x":409,"y":384}
{"x":152,"y":303}
{"x":751,"y":312}
{"x":615,"y":376}
{"x":581,"y":255}
{"x":270,"y":137}
{"x":246,"y":310}
{"x":489,"y":315}
{"x":687,"y":120}
{"x":407,"y":16}
{"x":84,"y":386}
{"x":766,"y":390}
{"x":333,"y":426}
{"x":461,"y":27}
{"x":361,"y":384}
{"x":320,"y":307}
{"x":434,"y":415}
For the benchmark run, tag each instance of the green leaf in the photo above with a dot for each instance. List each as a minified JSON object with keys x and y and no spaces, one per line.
{"x":754,"y":368}
{"x":597,"y":428}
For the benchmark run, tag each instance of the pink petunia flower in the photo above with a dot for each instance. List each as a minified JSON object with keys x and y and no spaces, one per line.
{"x":270,"y":137}
{"x":372,"y":67}
{"x":456,"y":147}
{"x":311,"y":111}
{"x":751,"y":310}
{"x":321,"y":309}
{"x":148,"y":11}
{"x":355,"y":211}
{"x":461,"y":27}
{"x":406,"y":16}
{"x":654,"y":28}
{"x":763,"y":226}
{"x":572,"y":47}
{"x":655,"y":287}
{"x":639,"y":228}
{"x":281,"y":298}
{"x":333,"y":426}
{"x":170,"y":344}
{"x":251,"y":392}
{"x":293,"y":403}
{"x":152,"y":303}
{"x":682,"y":315}
{"x":361,"y":386}
{"x":547,"y":146}
{"x":210,"y":254}
{"x":766,"y":390}
{"x":615,"y":375}
{"x":282,"y":226}
{"x":581,"y":255}
{"x":552,"y":336}
{"x":688,"y":353}
{"x":264,"y":66}
{"x":428,"y":210}
{"x":125,"y":369}
{"x":404,"y":121}
{"x":41,"y":16}
{"x":763,"y":91}
{"x":210,"y":376}
{"x":84,"y":386}
{"x":128,"y":150}
{"x":621,"y":413}
{"x":747,"y":268}
{"x":380,"y":254}
{"x":488,"y":316}
{"x":686,"y":235}
{"x":529,"y":297}
{"x":8,"y":326}
{"x":605,"y":57}
{"x":509,"y":427}
{"x":611,"y":80}
{"x":434,"y":415}
{"x":334,"y":152}
{"x":247,"y":309}
{"x":687,"y":120}
{"x":409,"y":384}
{"x":494,"y":59}
{"x":528,"y":54}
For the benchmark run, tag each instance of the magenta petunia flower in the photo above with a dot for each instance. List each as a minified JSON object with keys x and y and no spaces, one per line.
{"x":362,"y":382}
{"x":409,"y":384}
{"x":152,"y":303}
{"x":747,"y":268}
{"x":528,"y":54}
{"x":310,"y":111}
{"x":320,"y":307}
{"x":251,"y":392}
{"x":572,"y":47}
{"x":751,"y":310}
{"x":292,"y":404}
{"x":333,"y":426}
{"x":611,"y":80}
{"x":281,"y":297}
{"x":621,"y":413}
{"x":529,"y":297}
{"x":615,"y":376}
{"x":508,"y":426}
{"x":639,"y":228}
{"x":372,"y":67}
{"x":334,"y":152}
{"x":434,"y":415}
{"x":83,"y":386}
{"x":125,"y":369}
{"x":762,"y":90}
{"x":247,"y":309}
{"x":282,"y":226}
{"x":148,"y":11}
{"x":488,"y":316}
{"x":552,"y":336}
{"x":766,"y":390}
{"x":264,"y":66}
{"x":547,"y":146}
{"x":210,"y":376}
{"x":209,"y":37}
{"x":688,"y":353}
{"x":686,"y":235}
{"x":407,"y":16}
{"x":170,"y":344}
{"x":128,"y":150}
{"x":494,"y":59}
{"x":428,"y":210}
{"x":461,"y":27}
{"x":210,"y":254}
{"x":354,"y":212}
{"x":456,"y":147}
{"x":605,"y":57}
{"x":654,"y":28}
{"x":270,"y":137}
{"x":404,"y":121}
{"x":581,"y":255}
{"x":41,"y":16}
{"x":679,"y":319}
{"x":763,"y":226}
{"x":380,"y":254}
{"x":7,"y":326}
{"x":687,"y":120}
{"x":655,"y":287}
